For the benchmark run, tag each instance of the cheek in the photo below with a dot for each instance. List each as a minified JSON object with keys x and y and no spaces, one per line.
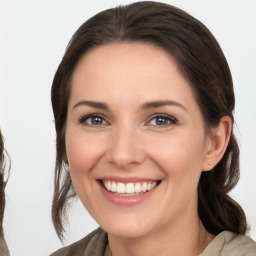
{"x":83,"y":152}
{"x":179,"y":155}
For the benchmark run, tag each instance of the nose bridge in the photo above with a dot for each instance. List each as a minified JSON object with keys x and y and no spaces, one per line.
{"x":124,"y":147}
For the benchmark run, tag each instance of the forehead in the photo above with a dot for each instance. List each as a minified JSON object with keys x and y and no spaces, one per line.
{"x":129,"y":71}
{"x":134,"y":58}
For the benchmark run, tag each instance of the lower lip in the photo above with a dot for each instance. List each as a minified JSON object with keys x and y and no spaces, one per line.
{"x":126,"y":200}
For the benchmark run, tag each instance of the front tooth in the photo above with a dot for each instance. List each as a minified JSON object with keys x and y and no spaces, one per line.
{"x":129,"y":188}
{"x":137,"y":188}
{"x":144,"y":187}
{"x":120,"y":188}
{"x":113,"y":187}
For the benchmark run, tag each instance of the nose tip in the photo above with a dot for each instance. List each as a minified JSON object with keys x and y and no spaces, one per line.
{"x":125,"y":150}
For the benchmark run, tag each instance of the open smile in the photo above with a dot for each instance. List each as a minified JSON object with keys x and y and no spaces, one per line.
{"x":131,"y":188}
{"x":128,"y":192}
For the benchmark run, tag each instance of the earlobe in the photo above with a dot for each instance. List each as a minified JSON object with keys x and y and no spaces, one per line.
{"x":217,"y":144}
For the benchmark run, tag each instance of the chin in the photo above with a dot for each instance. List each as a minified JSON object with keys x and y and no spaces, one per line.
{"x":126,"y":229}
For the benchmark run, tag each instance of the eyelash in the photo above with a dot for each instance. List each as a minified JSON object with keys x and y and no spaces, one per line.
{"x":83,"y":119}
{"x":171,"y":120}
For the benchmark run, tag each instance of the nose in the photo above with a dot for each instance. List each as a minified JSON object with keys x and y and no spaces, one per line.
{"x":125,"y":148}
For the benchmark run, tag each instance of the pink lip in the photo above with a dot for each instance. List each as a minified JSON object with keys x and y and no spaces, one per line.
{"x":126,"y":200}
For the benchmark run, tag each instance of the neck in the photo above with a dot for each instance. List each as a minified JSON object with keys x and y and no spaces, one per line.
{"x":186,"y":238}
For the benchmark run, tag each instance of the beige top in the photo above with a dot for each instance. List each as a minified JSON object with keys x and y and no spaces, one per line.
{"x":3,"y":248}
{"x":224,"y":244}
{"x":230,"y":244}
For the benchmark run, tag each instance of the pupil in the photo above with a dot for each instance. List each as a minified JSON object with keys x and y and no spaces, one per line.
{"x":161,"y":121}
{"x":96,"y":120}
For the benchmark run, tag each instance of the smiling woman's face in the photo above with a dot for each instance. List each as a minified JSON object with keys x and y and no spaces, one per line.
{"x":135,"y":140}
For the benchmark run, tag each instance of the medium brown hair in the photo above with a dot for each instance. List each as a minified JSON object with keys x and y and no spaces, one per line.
{"x":4,"y":173}
{"x":200,"y":60}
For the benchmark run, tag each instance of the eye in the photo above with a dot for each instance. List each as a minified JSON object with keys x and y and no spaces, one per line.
{"x":162,"y":120}
{"x":93,"y":120}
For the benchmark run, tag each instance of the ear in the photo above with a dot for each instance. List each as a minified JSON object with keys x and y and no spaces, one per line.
{"x":217,"y":143}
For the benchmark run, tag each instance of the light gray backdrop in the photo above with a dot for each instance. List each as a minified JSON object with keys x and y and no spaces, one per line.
{"x":33,"y":37}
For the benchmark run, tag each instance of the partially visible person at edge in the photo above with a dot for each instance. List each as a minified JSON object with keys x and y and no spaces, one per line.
{"x":143,"y":104}
{"x":3,"y":247}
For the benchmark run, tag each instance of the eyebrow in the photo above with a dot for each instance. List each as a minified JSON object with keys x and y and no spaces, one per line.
{"x":147,"y":105}
{"x":93,"y":104}
{"x":157,"y":104}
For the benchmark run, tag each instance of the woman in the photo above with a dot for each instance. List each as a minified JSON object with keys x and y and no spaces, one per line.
{"x":143,"y":101}
{"x":3,"y":247}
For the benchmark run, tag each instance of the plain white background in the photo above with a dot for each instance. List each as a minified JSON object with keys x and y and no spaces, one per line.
{"x":33,"y":38}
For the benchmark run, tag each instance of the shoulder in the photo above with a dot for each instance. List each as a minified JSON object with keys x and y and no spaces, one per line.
{"x":93,"y":244}
{"x":228,"y":243}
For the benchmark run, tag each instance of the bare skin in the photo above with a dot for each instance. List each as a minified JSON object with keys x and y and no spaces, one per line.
{"x":188,"y":243}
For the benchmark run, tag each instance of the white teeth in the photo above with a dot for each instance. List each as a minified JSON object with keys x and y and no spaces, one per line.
{"x":120,"y":188}
{"x":107,"y":185}
{"x":113,"y":187}
{"x":137,"y":188}
{"x":129,"y":188}
{"x":144,"y":187}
